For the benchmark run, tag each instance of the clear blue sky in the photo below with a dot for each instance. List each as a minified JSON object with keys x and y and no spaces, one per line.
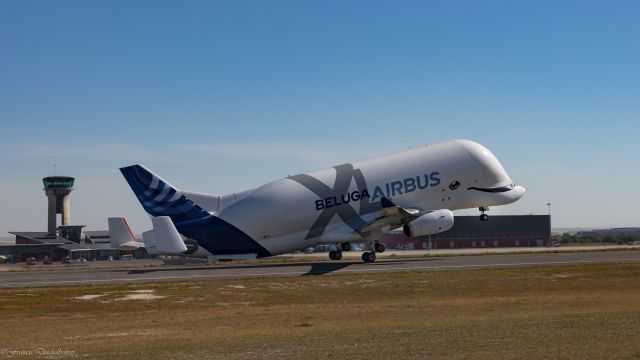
{"x":223,"y":96}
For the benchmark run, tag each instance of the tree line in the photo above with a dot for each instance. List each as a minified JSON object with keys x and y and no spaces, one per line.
{"x":591,"y":238}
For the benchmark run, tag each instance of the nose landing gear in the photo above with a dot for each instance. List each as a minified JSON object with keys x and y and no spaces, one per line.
{"x":483,"y":216}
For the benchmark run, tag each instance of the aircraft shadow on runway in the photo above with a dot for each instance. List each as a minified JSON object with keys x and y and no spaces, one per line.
{"x":317,"y":268}
{"x":322,"y":268}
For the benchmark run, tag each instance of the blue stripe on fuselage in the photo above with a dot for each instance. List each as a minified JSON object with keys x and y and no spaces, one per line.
{"x":219,"y":237}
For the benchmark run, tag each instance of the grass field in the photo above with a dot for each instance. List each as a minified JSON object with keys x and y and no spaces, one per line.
{"x":554,"y":312}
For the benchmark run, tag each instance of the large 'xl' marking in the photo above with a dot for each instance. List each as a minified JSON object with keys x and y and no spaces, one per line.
{"x":344,"y":174}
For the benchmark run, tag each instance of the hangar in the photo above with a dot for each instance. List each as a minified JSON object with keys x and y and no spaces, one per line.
{"x":471,"y":232}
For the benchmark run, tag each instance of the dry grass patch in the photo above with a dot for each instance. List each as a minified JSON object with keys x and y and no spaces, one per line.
{"x":555,"y":312}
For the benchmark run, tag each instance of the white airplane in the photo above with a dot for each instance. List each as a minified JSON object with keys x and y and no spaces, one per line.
{"x":413,"y":191}
{"x":121,"y":236}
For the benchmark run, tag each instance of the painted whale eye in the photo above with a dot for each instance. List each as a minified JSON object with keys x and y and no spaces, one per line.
{"x":454,"y":185}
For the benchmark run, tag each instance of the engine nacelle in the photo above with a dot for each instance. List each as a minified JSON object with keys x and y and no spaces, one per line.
{"x":431,"y":223}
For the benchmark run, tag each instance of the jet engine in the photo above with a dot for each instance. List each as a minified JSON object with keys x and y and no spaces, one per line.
{"x":430,"y":223}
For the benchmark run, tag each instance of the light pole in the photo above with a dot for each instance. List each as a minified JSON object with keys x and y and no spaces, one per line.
{"x":549,"y":208}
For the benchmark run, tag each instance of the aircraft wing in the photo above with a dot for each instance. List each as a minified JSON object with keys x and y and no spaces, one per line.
{"x":391,"y":217}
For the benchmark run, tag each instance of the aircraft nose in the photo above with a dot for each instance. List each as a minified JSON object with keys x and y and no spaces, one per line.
{"x":513,"y":195}
{"x":519,"y":191}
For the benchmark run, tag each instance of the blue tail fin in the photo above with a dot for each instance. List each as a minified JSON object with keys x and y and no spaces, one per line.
{"x":158,"y":197}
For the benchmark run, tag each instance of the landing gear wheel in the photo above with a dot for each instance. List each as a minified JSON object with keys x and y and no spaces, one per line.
{"x":335,"y":255}
{"x":379,"y":247}
{"x":345,"y":246}
{"x":369,"y":256}
{"x":483,"y":216}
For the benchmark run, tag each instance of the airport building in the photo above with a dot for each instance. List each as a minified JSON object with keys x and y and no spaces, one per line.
{"x":471,"y":232}
{"x":58,"y":189}
{"x":64,"y":240}
{"x":68,"y":240}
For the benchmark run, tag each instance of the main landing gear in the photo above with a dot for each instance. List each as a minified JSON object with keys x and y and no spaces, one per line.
{"x":376,"y":247}
{"x":368,"y":256}
{"x":337,"y":254}
{"x":483,"y":216}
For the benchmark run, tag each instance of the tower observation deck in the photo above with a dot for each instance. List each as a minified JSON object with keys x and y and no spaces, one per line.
{"x":57,"y":189}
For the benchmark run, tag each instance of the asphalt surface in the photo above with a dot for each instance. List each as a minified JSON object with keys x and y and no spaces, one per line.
{"x":183,"y":273}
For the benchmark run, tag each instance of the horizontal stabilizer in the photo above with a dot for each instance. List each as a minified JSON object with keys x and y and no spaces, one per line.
{"x":149,"y":242}
{"x":164,"y":238}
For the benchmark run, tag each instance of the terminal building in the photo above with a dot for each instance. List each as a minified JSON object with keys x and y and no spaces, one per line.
{"x":64,"y":240}
{"x":68,"y":240}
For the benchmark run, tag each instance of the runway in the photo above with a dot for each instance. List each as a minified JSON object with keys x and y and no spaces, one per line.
{"x":84,"y":276}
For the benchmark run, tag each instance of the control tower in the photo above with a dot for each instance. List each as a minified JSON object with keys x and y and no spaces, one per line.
{"x":57,"y":189}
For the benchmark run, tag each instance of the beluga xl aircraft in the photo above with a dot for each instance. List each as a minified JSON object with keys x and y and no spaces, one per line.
{"x":412,"y":192}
